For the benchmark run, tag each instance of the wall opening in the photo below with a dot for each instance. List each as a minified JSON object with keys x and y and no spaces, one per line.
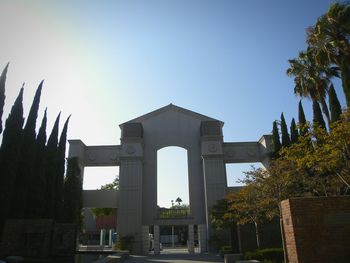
{"x":172,"y":177}
{"x":95,"y":177}
{"x":235,"y":172}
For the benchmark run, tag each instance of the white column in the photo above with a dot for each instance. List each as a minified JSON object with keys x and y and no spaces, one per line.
{"x":110,"y":237}
{"x":202,"y":238}
{"x":102,"y":237}
{"x":156,"y":240}
{"x":190,"y":239}
{"x":145,"y":240}
{"x":172,"y":236}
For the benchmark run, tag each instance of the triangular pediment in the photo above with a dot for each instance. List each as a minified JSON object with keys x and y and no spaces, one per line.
{"x":172,"y":107}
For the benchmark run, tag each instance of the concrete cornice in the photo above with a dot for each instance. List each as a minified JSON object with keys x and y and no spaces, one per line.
{"x":173,"y":108}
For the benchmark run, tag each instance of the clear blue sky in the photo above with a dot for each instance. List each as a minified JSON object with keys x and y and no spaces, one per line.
{"x":106,"y":62}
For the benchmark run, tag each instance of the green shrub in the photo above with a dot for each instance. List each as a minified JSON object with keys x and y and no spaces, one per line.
{"x":267,"y":255}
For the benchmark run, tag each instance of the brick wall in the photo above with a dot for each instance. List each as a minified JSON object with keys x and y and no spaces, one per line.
{"x":317,"y":229}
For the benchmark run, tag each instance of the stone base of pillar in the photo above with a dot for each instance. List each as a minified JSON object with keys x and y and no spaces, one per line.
{"x":156,"y":240}
{"x":190,"y":239}
{"x":145,"y":240}
{"x":202,"y":238}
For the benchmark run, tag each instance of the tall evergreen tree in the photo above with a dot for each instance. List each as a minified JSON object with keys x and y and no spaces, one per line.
{"x":276,"y":138}
{"x":318,"y":118}
{"x":61,"y":152}
{"x":284,"y":132}
{"x":73,"y":192}
{"x":2,"y":93}
{"x":37,"y":199}
{"x":293,"y":132}
{"x":334,"y":105}
{"x":302,"y":119}
{"x":51,"y":170}
{"x":26,"y":165}
{"x":10,"y":156}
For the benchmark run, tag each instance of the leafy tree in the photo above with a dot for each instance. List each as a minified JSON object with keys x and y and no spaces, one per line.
{"x":275,"y":184}
{"x":317,"y":115}
{"x":302,"y":119}
{"x":2,"y":93}
{"x":221,"y":218}
{"x":249,"y":206}
{"x":293,"y":132}
{"x":284,"y":131}
{"x":112,"y":186}
{"x":334,"y":105}
{"x":61,"y":152}
{"x":10,"y":156}
{"x":72,"y":193}
{"x":51,"y":170}
{"x":26,"y":162}
{"x":276,"y":138}
{"x":329,"y":37}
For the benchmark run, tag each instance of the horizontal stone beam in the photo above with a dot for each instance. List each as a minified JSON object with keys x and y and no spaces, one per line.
{"x":101,"y":198}
{"x":102,"y":155}
{"x":248,"y":152}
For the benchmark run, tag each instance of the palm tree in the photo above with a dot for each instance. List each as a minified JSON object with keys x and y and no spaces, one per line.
{"x":178,"y":200}
{"x":329,"y":37}
{"x":310,"y":79}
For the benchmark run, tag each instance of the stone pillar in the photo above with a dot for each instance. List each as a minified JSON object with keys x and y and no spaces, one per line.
{"x":172,"y":237}
{"x":156,"y":240}
{"x":266,"y":149}
{"x":110,"y":237}
{"x":202,"y":238}
{"x":102,"y":237}
{"x":77,"y":149}
{"x":145,"y":240}
{"x":190,"y":239}
{"x":129,"y":222}
{"x":215,"y":182}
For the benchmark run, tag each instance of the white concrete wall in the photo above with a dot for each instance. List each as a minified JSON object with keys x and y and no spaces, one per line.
{"x":101,"y":198}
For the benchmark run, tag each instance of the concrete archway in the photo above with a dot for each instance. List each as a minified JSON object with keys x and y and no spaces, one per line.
{"x":141,"y":138}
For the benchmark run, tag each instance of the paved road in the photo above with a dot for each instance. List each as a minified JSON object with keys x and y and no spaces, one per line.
{"x":175,"y":258}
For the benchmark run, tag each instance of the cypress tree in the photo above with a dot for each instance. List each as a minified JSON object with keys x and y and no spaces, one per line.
{"x":37,"y":198}
{"x":293,"y":132}
{"x":51,"y":170}
{"x":73,"y":192}
{"x":284,"y":131}
{"x":2,"y":93}
{"x":61,"y":152}
{"x":318,"y":118}
{"x":302,"y":120}
{"x":26,"y":166}
{"x":334,"y":105}
{"x":10,"y":156}
{"x":275,"y":138}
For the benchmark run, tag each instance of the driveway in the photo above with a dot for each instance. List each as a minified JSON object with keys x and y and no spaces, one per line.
{"x":171,"y":257}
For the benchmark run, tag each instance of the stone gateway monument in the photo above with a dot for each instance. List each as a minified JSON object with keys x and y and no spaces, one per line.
{"x":136,"y":199}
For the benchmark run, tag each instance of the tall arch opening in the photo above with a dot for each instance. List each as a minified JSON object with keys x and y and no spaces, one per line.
{"x":172,"y":177}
